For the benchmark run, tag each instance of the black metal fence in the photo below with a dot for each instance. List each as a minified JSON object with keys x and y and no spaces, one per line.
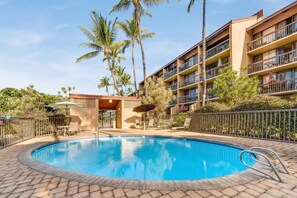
{"x":18,"y":129}
{"x":273,"y":124}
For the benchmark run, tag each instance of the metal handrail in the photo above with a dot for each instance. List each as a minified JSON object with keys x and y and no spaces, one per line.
{"x":274,"y":155}
{"x":256,"y":169}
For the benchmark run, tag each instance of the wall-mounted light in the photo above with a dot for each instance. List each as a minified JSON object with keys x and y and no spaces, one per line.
{"x":110,"y":101}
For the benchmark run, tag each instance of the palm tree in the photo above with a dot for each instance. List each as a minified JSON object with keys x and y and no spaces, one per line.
{"x":104,"y":82}
{"x":191,"y":3}
{"x":139,"y":7}
{"x":126,"y":81}
{"x":129,"y":27}
{"x":102,"y":36}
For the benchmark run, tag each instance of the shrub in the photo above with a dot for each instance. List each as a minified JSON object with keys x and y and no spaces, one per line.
{"x":179,"y":119}
{"x":263,"y":103}
{"x":213,"y":107}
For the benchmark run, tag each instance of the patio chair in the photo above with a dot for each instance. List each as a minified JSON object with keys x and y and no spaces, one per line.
{"x":151,"y":123}
{"x":186,"y":125}
{"x":137,"y":124}
{"x":74,"y":128}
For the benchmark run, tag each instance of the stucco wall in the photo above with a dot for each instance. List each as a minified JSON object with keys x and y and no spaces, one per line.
{"x":128,"y":115}
{"x":88,"y":114}
{"x":238,"y":41}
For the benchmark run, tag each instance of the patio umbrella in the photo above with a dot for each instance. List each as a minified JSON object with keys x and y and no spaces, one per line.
{"x":64,"y":105}
{"x":144,"y":108}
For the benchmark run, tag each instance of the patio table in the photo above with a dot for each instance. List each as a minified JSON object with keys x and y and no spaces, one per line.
{"x":64,"y":128}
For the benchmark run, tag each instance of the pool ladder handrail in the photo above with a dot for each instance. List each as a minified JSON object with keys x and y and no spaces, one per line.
{"x":252,"y":153}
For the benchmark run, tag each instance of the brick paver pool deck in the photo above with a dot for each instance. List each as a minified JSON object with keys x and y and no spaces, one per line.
{"x":18,"y":180}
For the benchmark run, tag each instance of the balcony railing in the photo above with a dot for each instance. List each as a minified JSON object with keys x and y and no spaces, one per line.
{"x":208,"y":95}
{"x":272,"y":62}
{"x":273,"y":36}
{"x":188,"y":81}
{"x":217,"y":49}
{"x":188,"y":64}
{"x":213,"y":72}
{"x":280,"y":86}
{"x":188,"y":99}
{"x":173,"y":87}
{"x":170,"y":74}
{"x":173,"y":103}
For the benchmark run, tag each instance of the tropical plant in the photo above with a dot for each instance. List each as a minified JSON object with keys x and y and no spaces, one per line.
{"x":104,"y":83}
{"x":126,"y":81}
{"x":232,"y":88}
{"x":102,"y":36}
{"x":65,"y":91}
{"x":158,"y":95}
{"x":129,"y":27}
{"x":264,"y":103}
{"x":25,"y":102}
{"x":213,"y":107}
{"x":139,"y":9}
{"x":191,"y":4}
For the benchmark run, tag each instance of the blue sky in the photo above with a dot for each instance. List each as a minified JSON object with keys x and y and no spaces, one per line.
{"x":39,"y":38}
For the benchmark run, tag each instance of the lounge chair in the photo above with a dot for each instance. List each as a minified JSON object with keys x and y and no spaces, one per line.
{"x":74,"y":128}
{"x":151,"y":123}
{"x":186,"y":125}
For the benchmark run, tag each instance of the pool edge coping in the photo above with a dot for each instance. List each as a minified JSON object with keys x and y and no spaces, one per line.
{"x":249,"y":175}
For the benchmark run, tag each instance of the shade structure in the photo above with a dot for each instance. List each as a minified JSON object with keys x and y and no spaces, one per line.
{"x":64,"y":105}
{"x":144,"y":108}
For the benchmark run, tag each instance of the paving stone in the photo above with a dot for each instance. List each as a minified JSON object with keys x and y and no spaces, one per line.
{"x":107,"y":194}
{"x":177,"y":194}
{"x":133,"y":193}
{"x":276,"y":193}
{"x":193,"y":194}
{"x":229,"y":192}
{"x":17,"y":180}
{"x":155,"y":194}
{"x":81,"y":195}
{"x":215,"y":193}
{"x":26,"y":194}
{"x":145,"y":196}
{"x":96,"y":194}
{"x":118,"y":193}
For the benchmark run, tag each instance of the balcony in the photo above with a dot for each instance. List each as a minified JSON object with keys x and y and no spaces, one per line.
{"x":213,"y":72}
{"x":279,"y":60}
{"x":188,"y":81}
{"x":209,"y":96}
{"x":173,"y":87}
{"x":188,"y":65}
{"x":170,"y":74}
{"x":281,"y":86}
{"x":173,"y":103}
{"x":217,"y":49}
{"x":273,"y":36}
{"x":188,"y":99}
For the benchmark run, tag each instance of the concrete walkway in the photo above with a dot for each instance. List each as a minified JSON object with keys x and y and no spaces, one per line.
{"x":17,"y":180}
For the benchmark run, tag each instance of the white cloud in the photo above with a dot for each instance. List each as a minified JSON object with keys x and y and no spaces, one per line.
{"x":62,"y":26}
{"x":21,"y":38}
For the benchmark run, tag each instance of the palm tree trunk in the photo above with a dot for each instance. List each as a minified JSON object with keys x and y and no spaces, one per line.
{"x":115,"y":84}
{"x":204,"y":53}
{"x":134,"y":69}
{"x":107,"y":90}
{"x":141,"y":46}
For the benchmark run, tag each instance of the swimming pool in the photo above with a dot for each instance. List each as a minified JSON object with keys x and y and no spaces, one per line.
{"x":144,"y":158}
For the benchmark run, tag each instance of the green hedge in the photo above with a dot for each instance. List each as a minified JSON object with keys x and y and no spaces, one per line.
{"x":213,"y":107}
{"x":255,"y":103}
{"x":264,"y":103}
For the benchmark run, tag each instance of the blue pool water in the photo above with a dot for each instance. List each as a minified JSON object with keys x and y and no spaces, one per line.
{"x":148,"y":158}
